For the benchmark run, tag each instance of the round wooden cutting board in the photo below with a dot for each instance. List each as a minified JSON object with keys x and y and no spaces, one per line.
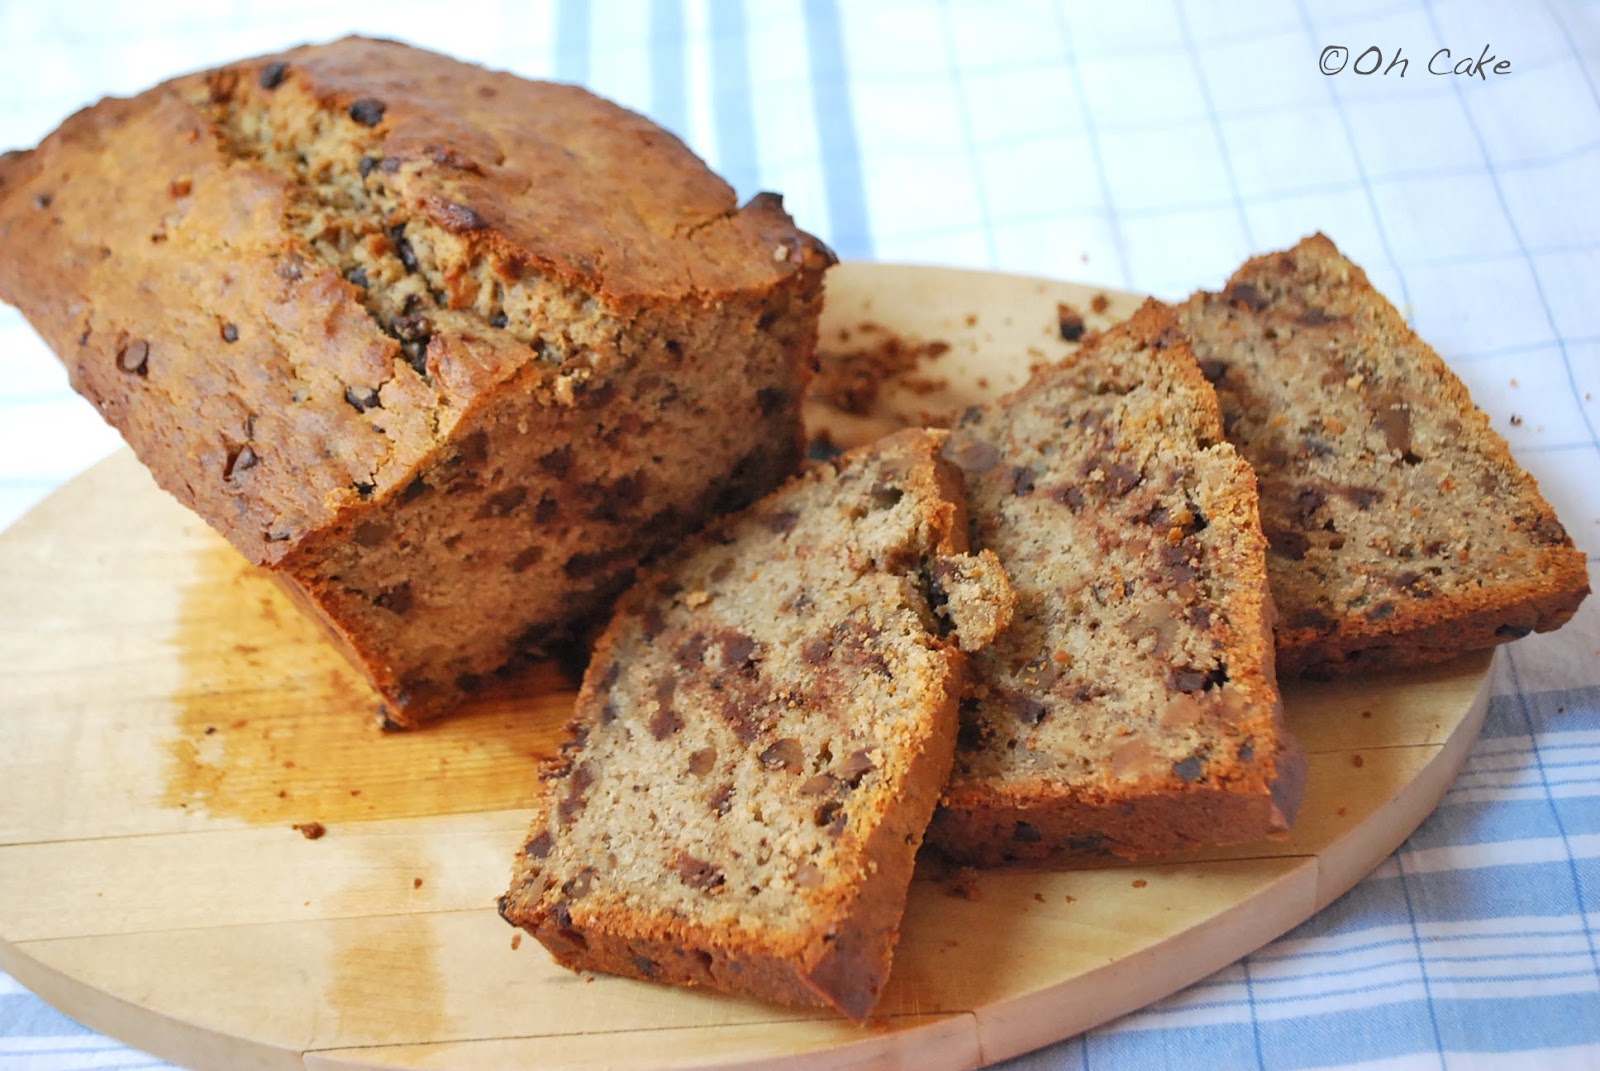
{"x":169,"y":721}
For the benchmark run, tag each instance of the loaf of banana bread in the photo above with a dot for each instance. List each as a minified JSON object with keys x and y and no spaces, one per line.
{"x":1401,"y":529}
{"x":447,"y":350}
{"x":761,"y":737}
{"x":1131,"y":708}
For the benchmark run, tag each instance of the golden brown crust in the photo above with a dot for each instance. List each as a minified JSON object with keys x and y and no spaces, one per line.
{"x":449,"y":350}
{"x":1141,"y":716}
{"x":759,"y":741}
{"x":1402,"y":529}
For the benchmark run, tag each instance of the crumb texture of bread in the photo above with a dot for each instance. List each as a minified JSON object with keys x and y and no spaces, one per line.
{"x":761,"y":738}
{"x":1131,"y":708}
{"x":1401,"y":529}
{"x":449,"y":350}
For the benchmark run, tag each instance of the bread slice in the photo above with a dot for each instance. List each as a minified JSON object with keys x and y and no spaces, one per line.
{"x":761,"y":738}
{"x":448,"y":351}
{"x":1131,"y":707}
{"x":1401,"y":530}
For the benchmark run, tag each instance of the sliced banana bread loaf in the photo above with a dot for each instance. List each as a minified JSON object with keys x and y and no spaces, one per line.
{"x":761,"y":737}
{"x":1401,"y":529}
{"x":1131,"y":706}
{"x":448,"y":350}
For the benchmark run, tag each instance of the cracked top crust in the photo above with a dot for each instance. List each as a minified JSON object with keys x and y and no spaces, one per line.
{"x":292,"y":279}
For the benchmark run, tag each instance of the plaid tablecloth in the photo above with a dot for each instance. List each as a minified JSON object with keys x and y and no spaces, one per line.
{"x":1143,"y":144}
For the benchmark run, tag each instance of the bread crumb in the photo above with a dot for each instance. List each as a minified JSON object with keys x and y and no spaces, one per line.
{"x":1139,"y":883}
{"x":781,"y":253}
{"x":310,"y":830}
{"x":1516,"y":421}
{"x":1341,"y":811}
{"x":516,"y":940}
{"x":416,"y":883}
{"x":1357,"y":761}
{"x":1069,"y":321}
{"x":1099,"y":303}
{"x":1039,"y":896}
{"x":963,"y":885}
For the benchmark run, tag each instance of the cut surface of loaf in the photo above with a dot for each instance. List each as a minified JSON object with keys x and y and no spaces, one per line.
{"x":761,"y":738}
{"x":448,"y":350}
{"x":1131,"y":707}
{"x":1401,"y":529}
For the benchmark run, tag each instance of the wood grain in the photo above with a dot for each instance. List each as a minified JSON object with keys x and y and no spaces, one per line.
{"x":169,"y":719}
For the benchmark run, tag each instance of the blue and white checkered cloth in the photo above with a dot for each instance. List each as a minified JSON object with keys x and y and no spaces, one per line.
{"x":1149,"y":145}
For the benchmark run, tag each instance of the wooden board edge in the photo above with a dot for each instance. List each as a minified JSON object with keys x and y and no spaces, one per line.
{"x":1342,"y":864}
{"x":945,"y":1041}
{"x":174,"y":1040}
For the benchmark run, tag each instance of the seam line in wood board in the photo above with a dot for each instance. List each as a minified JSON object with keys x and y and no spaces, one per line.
{"x":1376,"y":747}
{"x":264,"y":826}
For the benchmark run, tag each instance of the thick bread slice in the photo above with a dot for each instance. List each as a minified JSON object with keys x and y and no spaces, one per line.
{"x":761,"y":738}
{"x":1401,"y":529}
{"x":1131,"y":708}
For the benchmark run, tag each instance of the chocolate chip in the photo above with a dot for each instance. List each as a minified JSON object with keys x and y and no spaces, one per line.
{"x":539,"y":847}
{"x":498,"y":320}
{"x":1363,"y":498}
{"x":239,"y":460}
{"x":230,"y":333}
{"x":1287,"y":543}
{"x":856,"y":766}
{"x":822,"y":448}
{"x":458,"y":218}
{"x":646,"y":967}
{"x":1122,"y":478}
{"x":1022,"y":481}
{"x":1070,"y":322}
{"x":416,"y":354}
{"x":273,"y":74}
{"x":738,"y":651}
{"x":771,"y":400}
{"x":1311,"y":618}
{"x":703,"y":761}
{"x":368,"y":111}
{"x":414,"y":490}
{"x":820,"y":785}
{"x":134,"y":357}
{"x":357,"y":277}
{"x":1549,"y":530}
{"x":1305,"y":504}
{"x":665,"y":723}
{"x":364,"y":489}
{"x":817,"y":650}
{"x":1028,"y":710}
{"x":580,"y":885}
{"x":1088,"y":844}
{"x":397,"y":600}
{"x":367,"y":164}
{"x":722,"y":799}
{"x":1513,"y":632}
{"x":1213,"y":369}
{"x":831,"y":815}
{"x":1070,"y":497}
{"x":785,"y":754}
{"x":501,"y":503}
{"x":1247,"y":294}
{"x":42,"y":201}
{"x":1026,"y":832}
{"x":1187,"y":771}
{"x":363,"y":399}
{"x":1381,"y":612}
{"x":972,"y":455}
{"x":408,"y":257}
{"x":697,"y":873}
{"x":1393,"y":418}
{"x":1315,"y":318}
{"x":1186,"y":679}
